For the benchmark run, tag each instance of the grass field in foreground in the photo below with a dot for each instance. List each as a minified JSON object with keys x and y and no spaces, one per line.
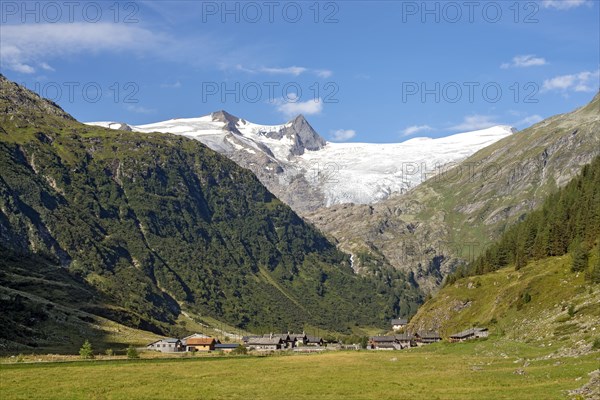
{"x":478,"y":370}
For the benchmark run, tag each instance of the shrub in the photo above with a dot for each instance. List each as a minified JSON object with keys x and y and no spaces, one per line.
{"x":109,"y":352}
{"x":364,"y":341}
{"x":132,"y":353}
{"x":571,"y":311}
{"x":580,"y":257}
{"x":596,"y":344}
{"x":86,"y":351}
{"x":524,"y":299}
{"x":240,"y":350}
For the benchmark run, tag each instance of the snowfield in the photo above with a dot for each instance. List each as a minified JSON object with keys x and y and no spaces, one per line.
{"x":342,"y":172}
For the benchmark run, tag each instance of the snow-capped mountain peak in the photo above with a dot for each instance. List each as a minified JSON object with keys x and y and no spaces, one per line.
{"x":307,"y":172}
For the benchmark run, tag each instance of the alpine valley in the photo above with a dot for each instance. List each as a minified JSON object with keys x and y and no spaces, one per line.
{"x":119,"y":233}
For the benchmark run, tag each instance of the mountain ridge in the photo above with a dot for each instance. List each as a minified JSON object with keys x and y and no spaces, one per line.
{"x":452,"y":217}
{"x":161,"y":224}
{"x":293,"y":158}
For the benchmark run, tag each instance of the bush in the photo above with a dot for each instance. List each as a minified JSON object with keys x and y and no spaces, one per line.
{"x":524,"y":299}
{"x":240,"y":350}
{"x":109,"y":352}
{"x":571,"y":311}
{"x":596,"y":344}
{"x":86,"y":351}
{"x":364,"y":341}
{"x":132,"y":353}
{"x":580,"y":257}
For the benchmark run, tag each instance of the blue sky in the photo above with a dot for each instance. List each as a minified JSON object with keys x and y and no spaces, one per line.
{"x":377,"y":71}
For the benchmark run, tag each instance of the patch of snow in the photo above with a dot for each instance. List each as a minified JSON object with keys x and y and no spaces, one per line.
{"x":359,"y":173}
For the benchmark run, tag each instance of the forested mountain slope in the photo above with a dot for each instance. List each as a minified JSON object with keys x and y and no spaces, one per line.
{"x":158,"y":223}
{"x":540,"y":281}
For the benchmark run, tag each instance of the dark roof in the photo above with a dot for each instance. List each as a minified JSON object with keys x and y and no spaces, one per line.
{"x":399,"y":321}
{"x":313,"y":339}
{"x":380,"y":339}
{"x":468,"y":332}
{"x":227,"y":346}
{"x":428,"y":335}
{"x":283,"y":336}
{"x":404,"y":337}
{"x":298,"y":336}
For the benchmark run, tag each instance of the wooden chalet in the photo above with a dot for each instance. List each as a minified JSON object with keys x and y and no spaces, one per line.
{"x":265,"y":343}
{"x":166,"y":345}
{"x":201,"y":344}
{"x":427,"y":337}
{"x":399,"y":323}
{"x":473,"y":333}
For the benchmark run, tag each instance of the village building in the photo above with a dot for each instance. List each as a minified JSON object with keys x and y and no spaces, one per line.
{"x":166,"y":345}
{"x":399,"y":324}
{"x":427,"y":337}
{"x":287,"y":341}
{"x":314,"y":341}
{"x":226,"y":347}
{"x":201,"y":344}
{"x":383,"y":343}
{"x":473,"y":333}
{"x":405,"y":340}
{"x":246,"y":339}
{"x":298,"y":338}
{"x":194,"y":336}
{"x":265,"y":343}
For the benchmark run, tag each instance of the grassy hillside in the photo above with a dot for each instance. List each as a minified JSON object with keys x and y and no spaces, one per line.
{"x":455,"y":215}
{"x":543,"y":303}
{"x":157,"y":224}
{"x":482,"y":370}
{"x":47,"y":309}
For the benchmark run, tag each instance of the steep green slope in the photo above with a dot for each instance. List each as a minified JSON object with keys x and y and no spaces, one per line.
{"x":568,"y":219}
{"x":157,"y":223}
{"x":542,"y":302}
{"x":526,"y":285}
{"x":46,"y":308}
{"x":452,"y":217}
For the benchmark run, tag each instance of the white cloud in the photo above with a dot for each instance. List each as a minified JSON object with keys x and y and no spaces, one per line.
{"x":291,"y":109}
{"x":175,"y":85}
{"x":528,"y":60}
{"x":341,"y":135}
{"x":323,"y":73}
{"x":139,"y":109}
{"x":564,"y":4}
{"x":586,"y":81}
{"x":293,"y":70}
{"x":46,"y":67}
{"x":475,"y":122}
{"x":411,"y":130}
{"x":29,"y":45}
{"x":529,"y":120}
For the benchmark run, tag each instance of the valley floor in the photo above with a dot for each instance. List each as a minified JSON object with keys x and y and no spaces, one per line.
{"x":486,"y":369}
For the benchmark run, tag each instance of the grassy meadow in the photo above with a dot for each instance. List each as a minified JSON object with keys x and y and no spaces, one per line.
{"x":487,"y":369}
